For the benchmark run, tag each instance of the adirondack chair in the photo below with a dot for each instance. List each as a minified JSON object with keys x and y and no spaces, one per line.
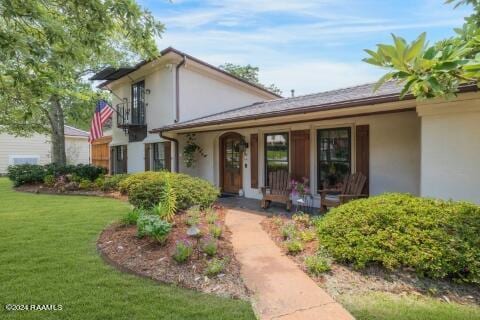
{"x":278,"y":190}
{"x":351,"y":189}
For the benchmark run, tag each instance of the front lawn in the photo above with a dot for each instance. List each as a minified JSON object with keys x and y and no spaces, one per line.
{"x":48,"y":256}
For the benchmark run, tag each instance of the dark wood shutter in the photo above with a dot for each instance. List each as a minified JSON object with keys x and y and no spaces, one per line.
{"x":125,"y":158}
{"x":112,"y":160}
{"x":147,"y":156}
{"x":168,"y":155}
{"x":254,"y":160}
{"x":362,"y":145}
{"x":300,"y":154}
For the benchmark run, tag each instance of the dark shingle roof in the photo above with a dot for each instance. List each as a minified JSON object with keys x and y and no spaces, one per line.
{"x":71,"y":131}
{"x":358,"y":95}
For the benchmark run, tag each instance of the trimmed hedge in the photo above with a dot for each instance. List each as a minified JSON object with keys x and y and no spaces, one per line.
{"x":438,"y":239}
{"x":144,"y":189}
{"x":32,"y":173}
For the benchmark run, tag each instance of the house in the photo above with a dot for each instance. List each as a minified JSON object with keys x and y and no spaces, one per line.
{"x":427,"y":148}
{"x":175,"y":87}
{"x":37,"y":149}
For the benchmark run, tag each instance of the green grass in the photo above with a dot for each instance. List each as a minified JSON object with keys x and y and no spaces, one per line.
{"x":380,"y":306}
{"x":48,"y":256}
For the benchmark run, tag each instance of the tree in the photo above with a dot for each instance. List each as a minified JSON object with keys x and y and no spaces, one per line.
{"x":48,"y":50}
{"x":437,"y":70}
{"x":248,"y":73}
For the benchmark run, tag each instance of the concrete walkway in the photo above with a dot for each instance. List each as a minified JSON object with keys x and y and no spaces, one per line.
{"x":281,"y":290}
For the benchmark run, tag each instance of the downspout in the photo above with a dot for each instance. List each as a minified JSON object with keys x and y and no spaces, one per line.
{"x":176,"y":150}
{"x":177,"y":89}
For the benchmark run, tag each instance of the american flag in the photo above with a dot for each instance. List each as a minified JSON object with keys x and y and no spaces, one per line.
{"x":103,"y":111}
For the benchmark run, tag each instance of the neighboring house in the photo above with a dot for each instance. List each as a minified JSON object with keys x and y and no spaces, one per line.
{"x":37,"y":148}
{"x":175,"y":87}
{"x":427,"y":148}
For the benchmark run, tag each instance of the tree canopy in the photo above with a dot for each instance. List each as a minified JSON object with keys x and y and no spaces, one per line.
{"x":436,"y":70}
{"x":248,"y":73}
{"x":50,"y":47}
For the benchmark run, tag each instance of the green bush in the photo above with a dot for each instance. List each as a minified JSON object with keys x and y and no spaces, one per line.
{"x":294,"y":246}
{"x":302,"y":219}
{"x":30,"y":173}
{"x":153,"y":226}
{"x":210,"y":247}
{"x":131,"y":217}
{"x":289,"y":231}
{"x":439,"y":239}
{"x":111,"y":183}
{"x":85,"y":184}
{"x":317,"y":264}
{"x":49,"y":180}
{"x":183,"y":250}
{"x":145,"y":189}
{"x":308,"y":235}
{"x":215,"y":266}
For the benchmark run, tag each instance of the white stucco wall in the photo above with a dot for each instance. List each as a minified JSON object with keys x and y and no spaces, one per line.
{"x":394,"y":152}
{"x":202,"y":95}
{"x":77,"y":150}
{"x":451,"y":149}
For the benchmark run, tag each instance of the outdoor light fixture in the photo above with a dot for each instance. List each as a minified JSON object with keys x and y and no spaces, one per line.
{"x":242,"y":145}
{"x":147,"y":91}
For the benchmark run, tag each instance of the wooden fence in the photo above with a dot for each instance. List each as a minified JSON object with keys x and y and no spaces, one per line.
{"x":101,"y":152}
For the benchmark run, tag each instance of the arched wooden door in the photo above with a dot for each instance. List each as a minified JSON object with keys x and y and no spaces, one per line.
{"x":231,"y":162}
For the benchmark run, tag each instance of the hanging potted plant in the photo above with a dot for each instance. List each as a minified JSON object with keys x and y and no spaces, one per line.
{"x":190,"y":150}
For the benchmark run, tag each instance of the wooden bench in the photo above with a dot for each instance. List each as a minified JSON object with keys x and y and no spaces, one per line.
{"x":351,"y":189}
{"x":279,"y":189}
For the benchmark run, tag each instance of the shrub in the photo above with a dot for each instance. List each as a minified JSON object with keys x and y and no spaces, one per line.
{"x":215,"y":266}
{"x":153,"y":226}
{"x":132,"y":217}
{"x":85,"y":184}
{"x":193,"y":191}
{"x":111,"y":183}
{"x":183,"y":250}
{"x":294,"y":246}
{"x":210,"y":247}
{"x":99,"y":182}
{"x":289,"y":231}
{"x":301,"y":218}
{"x":308,"y":235}
{"x":49,"y":180}
{"x":317,"y":264}
{"x":145,"y":194}
{"x":26,"y":173}
{"x":437,"y":238}
{"x":216,"y":231}
{"x":82,"y":171}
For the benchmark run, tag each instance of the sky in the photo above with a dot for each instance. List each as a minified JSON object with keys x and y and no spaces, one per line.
{"x":309,"y":45}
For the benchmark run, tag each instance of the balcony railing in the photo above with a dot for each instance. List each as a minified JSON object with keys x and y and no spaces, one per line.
{"x":131,"y":115}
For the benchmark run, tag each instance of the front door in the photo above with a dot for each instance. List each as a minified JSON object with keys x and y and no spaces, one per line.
{"x":231,"y":162}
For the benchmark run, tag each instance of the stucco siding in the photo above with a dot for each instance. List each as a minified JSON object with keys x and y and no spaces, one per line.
{"x":394,"y":152}
{"x":451,"y":151}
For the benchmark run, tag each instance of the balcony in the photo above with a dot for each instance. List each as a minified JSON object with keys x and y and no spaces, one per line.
{"x":131,"y":118}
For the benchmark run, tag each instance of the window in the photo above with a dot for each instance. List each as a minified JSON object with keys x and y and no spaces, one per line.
{"x":138,"y":103}
{"x":334,"y":157}
{"x":276,"y":153}
{"x":14,"y":160}
{"x":158,"y":156}
{"x":119,"y":153}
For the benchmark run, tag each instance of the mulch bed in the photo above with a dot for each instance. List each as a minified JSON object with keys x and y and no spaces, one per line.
{"x":42,"y":189}
{"x":120,"y":246}
{"x":344,"y":279}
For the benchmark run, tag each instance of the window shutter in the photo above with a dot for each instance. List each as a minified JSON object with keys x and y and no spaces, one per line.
{"x":147,"y":156}
{"x":168,"y":155}
{"x":112,"y":160}
{"x":254,"y":160}
{"x":125,"y":158}
{"x":300,"y":154}
{"x":362,"y":145}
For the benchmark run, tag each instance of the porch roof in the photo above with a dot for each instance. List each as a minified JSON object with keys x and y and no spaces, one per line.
{"x":356,"y":96}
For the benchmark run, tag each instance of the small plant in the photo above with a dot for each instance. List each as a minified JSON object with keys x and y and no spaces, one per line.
{"x":289,"y":231}
{"x":211,"y":217}
{"x":210,"y":247}
{"x":216,"y":231}
{"x":308,"y":235}
{"x":301,"y":218}
{"x":99,"y":182}
{"x":190,"y":150}
{"x":183,"y":250}
{"x":153,"y":226}
{"x":294,"y":246}
{"x":193,"y":217}
{"x":277,"y":221}
{"x":84,"y":184}
{"x":215,"y":266}
{"x":49,"y":180}
{"x":317,"y":264}
{"x":132,"y":217}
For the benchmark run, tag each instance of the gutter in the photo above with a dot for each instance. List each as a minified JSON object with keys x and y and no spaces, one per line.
{"x":177,"y":88}
{"x":176,"y":150}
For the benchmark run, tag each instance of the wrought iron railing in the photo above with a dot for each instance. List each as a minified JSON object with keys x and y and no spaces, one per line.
{"x":131,"y":115}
